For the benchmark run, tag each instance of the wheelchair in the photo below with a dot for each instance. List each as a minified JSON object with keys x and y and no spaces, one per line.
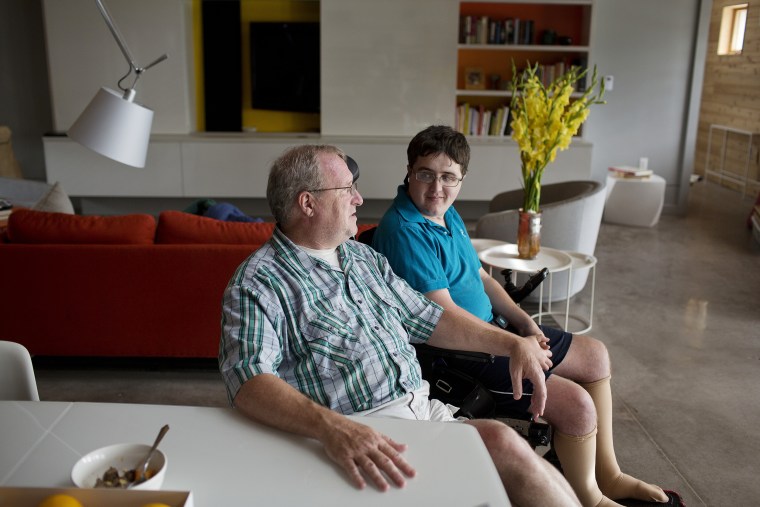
{"x":474,"y":400}
{"x":461,"y":390}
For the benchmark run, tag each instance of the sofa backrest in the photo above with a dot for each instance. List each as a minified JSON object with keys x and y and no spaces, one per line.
{"x":173,"y":228}
{"x":178,"y":227}
{"x":42,"y":227}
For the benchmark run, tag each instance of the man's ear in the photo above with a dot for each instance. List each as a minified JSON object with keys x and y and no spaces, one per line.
{"x":306,"y":202}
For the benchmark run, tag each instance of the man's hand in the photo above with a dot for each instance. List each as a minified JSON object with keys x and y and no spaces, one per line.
{"x":542,"y":340}
{"x":361,"y":450}
{"x":529,"y":360}
{"x":529,"y":328}
{"x":356,"y":447}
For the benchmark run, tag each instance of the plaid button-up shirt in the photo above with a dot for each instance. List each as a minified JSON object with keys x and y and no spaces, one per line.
{"x":340,"y":336}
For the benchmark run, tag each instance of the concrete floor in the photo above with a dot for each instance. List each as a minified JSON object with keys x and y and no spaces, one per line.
{"x":678,"y":306}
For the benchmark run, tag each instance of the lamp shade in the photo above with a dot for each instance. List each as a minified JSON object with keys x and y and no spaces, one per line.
{"x":114,"y":127}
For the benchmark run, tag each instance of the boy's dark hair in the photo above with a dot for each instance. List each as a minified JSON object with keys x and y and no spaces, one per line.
{"x":440,"y":139}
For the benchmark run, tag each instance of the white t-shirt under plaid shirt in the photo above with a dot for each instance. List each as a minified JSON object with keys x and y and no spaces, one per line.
{"x":340,"y":336}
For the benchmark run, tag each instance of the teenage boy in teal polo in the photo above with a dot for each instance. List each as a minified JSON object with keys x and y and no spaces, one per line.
{"x":426,"y":243}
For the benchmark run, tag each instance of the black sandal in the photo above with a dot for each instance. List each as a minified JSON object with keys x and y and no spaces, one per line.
{"x":674,"y":500}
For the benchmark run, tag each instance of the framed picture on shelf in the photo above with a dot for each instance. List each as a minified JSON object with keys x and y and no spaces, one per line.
{"x":474,"y":78}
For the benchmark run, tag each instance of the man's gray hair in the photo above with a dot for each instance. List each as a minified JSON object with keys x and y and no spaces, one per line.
{"x":296,"y":170}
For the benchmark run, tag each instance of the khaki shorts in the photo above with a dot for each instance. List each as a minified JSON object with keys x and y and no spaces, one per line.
{"x":415,"y":406}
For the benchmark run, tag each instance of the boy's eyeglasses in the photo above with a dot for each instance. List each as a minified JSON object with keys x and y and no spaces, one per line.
{"x":446,"y":179}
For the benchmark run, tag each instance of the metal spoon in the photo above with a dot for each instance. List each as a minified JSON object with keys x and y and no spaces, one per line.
{"x":142,"y":466}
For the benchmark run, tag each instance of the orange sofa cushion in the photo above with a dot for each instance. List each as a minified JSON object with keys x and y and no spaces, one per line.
{"x":178,"y":227}
{"x":40,"y":227}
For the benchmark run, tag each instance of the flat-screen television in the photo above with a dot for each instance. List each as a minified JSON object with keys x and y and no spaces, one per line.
{"x":285,"y":66}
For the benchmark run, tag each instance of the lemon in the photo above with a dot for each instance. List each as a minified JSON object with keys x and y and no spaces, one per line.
{"x":60,"y":500}
{"x":156,"y":505}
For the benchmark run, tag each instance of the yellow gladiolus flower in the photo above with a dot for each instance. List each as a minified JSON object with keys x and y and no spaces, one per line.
{"x":544,"y":121}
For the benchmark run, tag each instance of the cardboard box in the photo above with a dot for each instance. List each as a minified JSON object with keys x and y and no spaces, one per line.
{"x":32,"y":497}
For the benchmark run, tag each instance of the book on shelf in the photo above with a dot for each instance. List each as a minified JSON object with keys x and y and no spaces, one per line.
{"x":472,"y":120}
{"x":526,"y":36}
{"x":487,"y":30}
{"x":507,"y":31}
{"x":515,"y":38}
{"x":626,"y":171}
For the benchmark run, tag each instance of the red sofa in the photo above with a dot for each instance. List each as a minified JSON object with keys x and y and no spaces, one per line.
{"x":119,"y":286}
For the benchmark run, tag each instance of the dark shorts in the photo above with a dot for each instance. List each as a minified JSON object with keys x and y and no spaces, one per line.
{"x":495,"y":376}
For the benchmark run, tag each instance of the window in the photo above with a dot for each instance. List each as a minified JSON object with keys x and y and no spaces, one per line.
{"x":732,"y":26}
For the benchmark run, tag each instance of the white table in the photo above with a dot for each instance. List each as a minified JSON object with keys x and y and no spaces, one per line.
{"x":504,"y":255}
{"x":225,"y":459}
{"x":634,"y":201}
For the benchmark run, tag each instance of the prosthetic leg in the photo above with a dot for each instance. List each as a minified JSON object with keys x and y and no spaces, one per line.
{"x":612,"y":482}
{"x":577,"y":456}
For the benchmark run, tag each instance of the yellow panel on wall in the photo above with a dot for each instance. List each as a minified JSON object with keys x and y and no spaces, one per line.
{"x":273,"y":10}
{"x":257,"y":10}
{"x":198,"y":56}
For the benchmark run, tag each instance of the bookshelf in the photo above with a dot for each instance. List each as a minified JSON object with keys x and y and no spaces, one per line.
{"x":492,"y":34}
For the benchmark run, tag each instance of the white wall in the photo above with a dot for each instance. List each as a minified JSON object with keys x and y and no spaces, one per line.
{"x":648,"y":47}
{"x":388,"y":67}
{"x":389,"y":70}
{"x":83,"y":57}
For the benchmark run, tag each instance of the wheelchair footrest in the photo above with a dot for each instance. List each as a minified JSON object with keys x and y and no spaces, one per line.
{"x":538,"y":434}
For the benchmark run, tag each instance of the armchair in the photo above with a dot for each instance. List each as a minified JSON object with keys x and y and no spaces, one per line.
{"x":572,"y":214}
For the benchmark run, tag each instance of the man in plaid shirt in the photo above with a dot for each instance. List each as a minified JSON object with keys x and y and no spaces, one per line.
{"x":315,"y":327}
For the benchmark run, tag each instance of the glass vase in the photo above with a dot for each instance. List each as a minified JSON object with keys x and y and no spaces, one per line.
{"x":529,"y":234}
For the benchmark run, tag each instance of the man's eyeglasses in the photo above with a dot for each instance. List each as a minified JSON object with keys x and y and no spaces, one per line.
{"x":352,"y":189}
{"x":446,"y":179}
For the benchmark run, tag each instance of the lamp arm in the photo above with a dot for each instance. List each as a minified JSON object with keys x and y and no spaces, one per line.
{"x":158,"y":60}
{"x":129,"y":93}
{"x":116,"y":34}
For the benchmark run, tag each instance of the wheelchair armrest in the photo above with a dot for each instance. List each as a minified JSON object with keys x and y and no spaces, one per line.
{"x":519,"y":293}
{"x":429,"y":350}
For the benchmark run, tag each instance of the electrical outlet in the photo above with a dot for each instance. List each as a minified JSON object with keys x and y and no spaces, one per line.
{"x":609,"y":82}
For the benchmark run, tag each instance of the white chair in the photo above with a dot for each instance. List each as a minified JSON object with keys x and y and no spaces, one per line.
{"x":17,"y":380}
{"x":571,"y":216}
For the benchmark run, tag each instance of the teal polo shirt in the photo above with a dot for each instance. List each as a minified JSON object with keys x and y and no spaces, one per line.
{"x":430,"y":257}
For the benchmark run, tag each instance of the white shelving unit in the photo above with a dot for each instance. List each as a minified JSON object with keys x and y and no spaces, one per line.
{"x":496,"y":58}
{"x":515,"y":48}
{"x":742,"y":178}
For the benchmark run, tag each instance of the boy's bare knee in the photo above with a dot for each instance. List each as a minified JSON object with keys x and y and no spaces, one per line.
{"x":595,"y":355}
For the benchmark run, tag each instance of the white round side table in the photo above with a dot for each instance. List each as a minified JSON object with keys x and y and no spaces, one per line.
{"x":505,"y":257}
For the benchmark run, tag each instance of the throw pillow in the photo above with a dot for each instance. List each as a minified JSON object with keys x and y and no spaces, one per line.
{"x":55,"y":201}
{"x":183,"y":228}
{"x":38,"y":227}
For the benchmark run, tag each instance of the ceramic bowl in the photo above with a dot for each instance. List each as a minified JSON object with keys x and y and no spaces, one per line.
{"x":122,"y":457}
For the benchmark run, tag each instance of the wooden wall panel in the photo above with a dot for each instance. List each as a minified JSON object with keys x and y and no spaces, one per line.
{"x":731,"y":96}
